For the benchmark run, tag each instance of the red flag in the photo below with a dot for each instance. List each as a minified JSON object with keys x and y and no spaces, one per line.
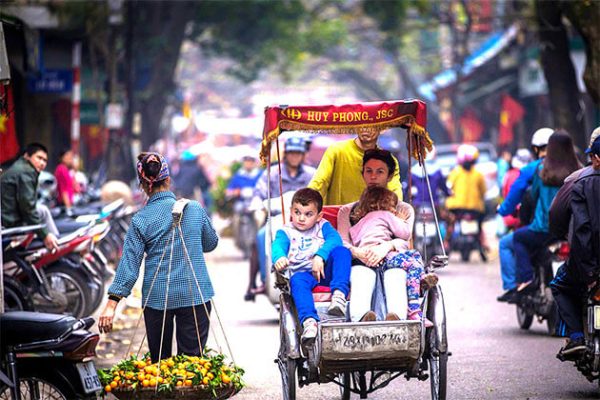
{"x":471,"y":127}
{"x":511,"y":113}
{"x":9,"y":145}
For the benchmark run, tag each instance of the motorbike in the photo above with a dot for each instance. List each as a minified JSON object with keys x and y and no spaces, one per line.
{"x":245,"y":226}
{"x":47,"y":356}
{"x":588,"y":363}
{"x":426,"y":237}
{"x":539,"y":301}
{"x":467,"y":235}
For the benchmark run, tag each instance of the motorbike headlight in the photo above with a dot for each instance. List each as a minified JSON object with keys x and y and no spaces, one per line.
{"x":596,"y":317}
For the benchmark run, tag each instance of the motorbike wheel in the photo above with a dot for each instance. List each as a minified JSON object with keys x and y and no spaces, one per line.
{"x":15,"y":296}
{"x":465,"y":254}
{"x":552,"y":319}
{"x":523,"y":317}
{"x":73,"y":285}
{"x":35,"y":388}
{"x":247,"y":234}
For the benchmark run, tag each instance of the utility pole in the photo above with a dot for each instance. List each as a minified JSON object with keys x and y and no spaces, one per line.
{"x":4,"y":80}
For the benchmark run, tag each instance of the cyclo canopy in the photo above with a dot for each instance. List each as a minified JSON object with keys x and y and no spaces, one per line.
{"x":350,"y":118}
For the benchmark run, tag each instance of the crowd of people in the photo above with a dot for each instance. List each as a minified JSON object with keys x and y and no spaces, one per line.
{"x":547,"y":194}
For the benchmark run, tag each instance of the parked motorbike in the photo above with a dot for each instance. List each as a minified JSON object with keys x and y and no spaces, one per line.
{"x":47,"y":356}
{"x":467,"y":235}
{"x":539,"y":302}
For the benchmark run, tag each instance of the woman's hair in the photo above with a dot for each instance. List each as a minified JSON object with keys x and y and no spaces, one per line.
{"x":151,"y":171}
{"x":374,"y":198}
{"x":381,"y":155}
{"x":560,"y":159}
{"x":305,"y":196}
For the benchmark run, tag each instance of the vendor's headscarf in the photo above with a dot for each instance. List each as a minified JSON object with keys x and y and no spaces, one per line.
{"x":148,"y":158}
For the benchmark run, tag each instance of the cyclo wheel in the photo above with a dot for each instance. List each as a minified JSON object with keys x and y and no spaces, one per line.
{"x":438,"y":367}
{"x":287,"y":365}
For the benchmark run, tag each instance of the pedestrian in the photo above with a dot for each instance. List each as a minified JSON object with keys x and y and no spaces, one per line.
{"x":19,"y":195}
{"x":581,"y":272}
{"x":338,"y":176}
{"x":312,"y":250}
{"x":65,"y":181}
{"x":176,"y":291}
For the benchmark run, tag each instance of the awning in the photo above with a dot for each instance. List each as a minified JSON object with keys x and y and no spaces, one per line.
{"x":487,"y":51}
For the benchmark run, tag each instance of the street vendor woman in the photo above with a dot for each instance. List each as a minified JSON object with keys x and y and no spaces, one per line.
{"x":172,"y":289}
{"x":339,"y":175}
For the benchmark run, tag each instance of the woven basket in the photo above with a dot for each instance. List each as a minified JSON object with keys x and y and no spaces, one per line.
{"x":177,"y":394}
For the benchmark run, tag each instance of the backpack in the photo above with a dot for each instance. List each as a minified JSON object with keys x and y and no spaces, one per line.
{"x":529,"y":199}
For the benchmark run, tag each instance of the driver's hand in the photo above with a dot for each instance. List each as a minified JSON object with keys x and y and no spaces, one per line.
{"x":318,"y":268}
{"x":51,"y":242}
{"x":282,"y":264}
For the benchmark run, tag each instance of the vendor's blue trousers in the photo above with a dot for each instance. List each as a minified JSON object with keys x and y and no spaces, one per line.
{"x":508,"y":269}
{"x":527,"y":243}
{"x":337,"y":277}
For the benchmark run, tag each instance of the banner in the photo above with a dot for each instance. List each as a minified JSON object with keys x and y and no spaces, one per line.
{"x":511,"y":113}
{"x":471,"y":126}
{"x":9,"y":145}
{"x":349,"y":118}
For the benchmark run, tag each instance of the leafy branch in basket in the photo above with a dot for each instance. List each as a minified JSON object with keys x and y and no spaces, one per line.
{"x":209,"y":372}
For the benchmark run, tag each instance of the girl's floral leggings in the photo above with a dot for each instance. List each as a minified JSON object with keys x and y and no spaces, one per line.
{"x":411,"y":262}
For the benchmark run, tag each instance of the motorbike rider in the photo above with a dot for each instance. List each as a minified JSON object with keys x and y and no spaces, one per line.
{"x":579,"y":274}
{"x":436,"y":180}
{"x":560,"y":162}
{"x":295,"y":174}
{"x":508,"y":268}
{"x":468,"y":190}
{"x":19,"y":195}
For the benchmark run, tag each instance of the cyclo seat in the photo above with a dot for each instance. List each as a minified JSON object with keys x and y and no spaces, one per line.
{"x":21,"y":327}
{"x":323,"y":293}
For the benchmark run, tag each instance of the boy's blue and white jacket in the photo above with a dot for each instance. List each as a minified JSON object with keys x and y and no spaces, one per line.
{"x":301,"y":246}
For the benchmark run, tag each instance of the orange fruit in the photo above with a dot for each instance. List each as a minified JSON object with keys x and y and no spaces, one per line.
{"x":179,"y":383}
{"x":145,"y":383}
{"x":205,"y":380}
{"x":188,"y":382}
{"x":225,"y":378}
{"x":107,"y":388}
{"x":114,"y":384}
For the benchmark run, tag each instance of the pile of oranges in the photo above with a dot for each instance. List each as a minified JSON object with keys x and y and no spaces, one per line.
{"x":209,"y":372}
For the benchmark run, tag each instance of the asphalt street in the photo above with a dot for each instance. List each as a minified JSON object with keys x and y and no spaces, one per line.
{"x":492,"y":358}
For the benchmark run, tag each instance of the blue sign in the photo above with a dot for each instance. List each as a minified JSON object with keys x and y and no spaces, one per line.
{"x":51,"y":81}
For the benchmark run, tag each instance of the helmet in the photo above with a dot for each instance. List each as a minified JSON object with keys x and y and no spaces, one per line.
{"x":466,"y":153}
{"x":541,"y":136}
{"x":521,"y":158}
{"x":295,"y":143}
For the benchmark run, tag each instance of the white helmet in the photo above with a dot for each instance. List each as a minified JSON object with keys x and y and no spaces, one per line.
{"x":541,"y":136}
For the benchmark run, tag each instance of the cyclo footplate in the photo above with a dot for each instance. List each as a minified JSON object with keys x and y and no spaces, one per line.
{"x":370,"y":340}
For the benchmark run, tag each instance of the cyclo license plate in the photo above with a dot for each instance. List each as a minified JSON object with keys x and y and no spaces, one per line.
{"x":469,"y":227}
{"x":89,"y":377}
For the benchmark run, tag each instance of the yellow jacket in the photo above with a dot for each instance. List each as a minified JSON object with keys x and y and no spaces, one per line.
{"x":468,"y":189}
{"x":339,"y":175}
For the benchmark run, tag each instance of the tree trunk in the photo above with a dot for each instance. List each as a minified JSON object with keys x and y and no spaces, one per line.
{"x":559,"y":71}
{"x":585,"y":16}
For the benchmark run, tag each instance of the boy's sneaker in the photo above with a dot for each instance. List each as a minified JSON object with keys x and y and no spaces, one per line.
{"x":309,"y":331}
{"x":337,"y":306}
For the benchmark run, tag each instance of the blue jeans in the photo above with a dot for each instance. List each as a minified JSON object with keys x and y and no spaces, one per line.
{"x":527,"y":243}
{"x":508,"y":268}
{"x":260,"y":247}
{"x":337,"y":277}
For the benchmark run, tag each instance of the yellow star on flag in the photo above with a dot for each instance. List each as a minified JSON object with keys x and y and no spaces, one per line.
{"x":3,"y":120}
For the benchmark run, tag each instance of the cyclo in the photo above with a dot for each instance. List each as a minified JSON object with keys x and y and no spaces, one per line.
{"x":360,"y":357}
